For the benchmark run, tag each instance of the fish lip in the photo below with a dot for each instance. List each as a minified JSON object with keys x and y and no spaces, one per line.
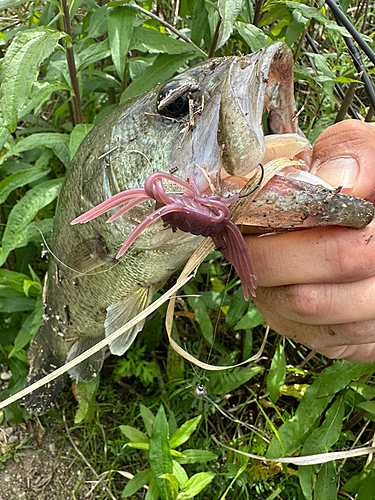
{"x":256,"y":82}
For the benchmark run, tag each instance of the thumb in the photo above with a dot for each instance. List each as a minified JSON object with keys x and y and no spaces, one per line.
{"x":344,"y":155}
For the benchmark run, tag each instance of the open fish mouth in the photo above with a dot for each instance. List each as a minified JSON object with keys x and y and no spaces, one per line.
{"x":293,"y":198}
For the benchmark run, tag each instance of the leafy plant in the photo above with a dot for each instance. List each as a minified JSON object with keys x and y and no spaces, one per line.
{"x":166,"y":478}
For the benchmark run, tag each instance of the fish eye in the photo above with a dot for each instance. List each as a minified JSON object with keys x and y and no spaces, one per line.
{"x":174,"y":101}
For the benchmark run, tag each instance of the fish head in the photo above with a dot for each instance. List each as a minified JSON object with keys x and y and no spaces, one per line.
{"x":208,"y":117}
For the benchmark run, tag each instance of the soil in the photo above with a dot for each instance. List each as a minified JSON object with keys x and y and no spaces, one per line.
{"x":36,"y":467}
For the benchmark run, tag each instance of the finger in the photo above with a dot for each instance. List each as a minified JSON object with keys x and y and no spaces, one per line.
{"x":354,"y":342}
{"x":323,"y":304}
{"x":343,"y":155}
{"x":324,"y":255}
{"x":364,"y":353}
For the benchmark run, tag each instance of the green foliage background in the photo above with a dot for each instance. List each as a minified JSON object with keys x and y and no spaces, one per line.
{"x":47,"y":107}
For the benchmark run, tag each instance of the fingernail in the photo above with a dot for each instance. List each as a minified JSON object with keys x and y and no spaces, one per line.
{"x":342,"y":171}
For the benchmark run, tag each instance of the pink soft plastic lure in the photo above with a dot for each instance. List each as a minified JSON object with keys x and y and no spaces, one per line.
{"x":188,"y":211}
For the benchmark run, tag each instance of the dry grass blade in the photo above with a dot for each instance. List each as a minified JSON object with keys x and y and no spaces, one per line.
{"x":320,"y":458}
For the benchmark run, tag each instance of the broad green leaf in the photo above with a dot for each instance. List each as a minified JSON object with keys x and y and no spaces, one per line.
{"x":40,"y":92}
{"x":160,"y":453}
{"x":19,"y":179}
{"x":148,"y":419}
{"x":250,"y":320}
{"x":196,"y":457}
{"x":85,"y":394}
{"x":24,"y":212}
{"x":212,"y":300}
{"x":366,"y":487}
{"x":44,"y":139}
{"x":295,"y":27}
{"x":7,"y":4}
{"x":326,"y":482}
{"x":195,"y":485}
{"x":274,"y":13}
{"x":180,"y":473}
{"x":366,"y":391}
{"x":173,"y":482}
{"x":97,"y":81}
{"x":175,"y":362}
{"x":139,"y":480}
{"x":313,"y":13}
{"x":13,"y":166}
{"x":77,"y":135}
{"x":98,"y":25}
{"x":13,"y":301}
{"x":150,"y":40}
{"x":276,"y":375}
{"x":120,"y":30}
{"x":29,"y":328}
{"x":344,"y":4}
{"x":321,"y":440}
{"x":73,"y":7}
{"x":172,"y":423}
{"x":13,"y":279}
{"x":139,"y":446}
{"x":253,"y":36}
{"x":20,"y":68}
{"x":199,"y":22}
{"x":4,"y":134}
{"x":153,"y":491}
{"x":183,"y":433}
{"x":93,"y":53}
{"x":368,"y":406}
{"x":333,"y":379}
{"x":222,"y":382}
{"x":237,"y":307}
{"x":200,"y":311}
{"x":321,"y":65}
{"x":134,"y":434}
{"x":229,"y":10}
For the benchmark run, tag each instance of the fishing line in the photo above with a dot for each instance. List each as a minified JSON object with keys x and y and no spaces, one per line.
{"x":257,"y":185}
{"x":66,"y":265}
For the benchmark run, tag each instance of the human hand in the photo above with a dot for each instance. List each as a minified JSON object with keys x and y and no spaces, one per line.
{"x":317,"y":286}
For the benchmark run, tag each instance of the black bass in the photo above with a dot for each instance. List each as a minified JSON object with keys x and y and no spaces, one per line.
{"x":205,"y":123}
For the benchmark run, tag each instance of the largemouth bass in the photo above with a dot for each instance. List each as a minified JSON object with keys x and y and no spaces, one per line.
{"x":204,"y":124}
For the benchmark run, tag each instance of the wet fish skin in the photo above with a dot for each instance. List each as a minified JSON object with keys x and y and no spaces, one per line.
{"x":88,"y":294}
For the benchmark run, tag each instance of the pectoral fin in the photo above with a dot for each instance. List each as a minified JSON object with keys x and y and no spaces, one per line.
{"x":90,"y":367}
{"x":121,"y":312}
{"x":89,"y":255}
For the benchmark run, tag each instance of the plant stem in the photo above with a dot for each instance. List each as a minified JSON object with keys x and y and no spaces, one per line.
{"x":214,"y":40}
{"x":257,"y":12}
{"x":78,"y":115}
{"x":350,"y":93}
{"x":370,"y":113}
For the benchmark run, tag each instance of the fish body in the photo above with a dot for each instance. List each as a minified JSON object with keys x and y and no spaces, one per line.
{"x":206,"y":118}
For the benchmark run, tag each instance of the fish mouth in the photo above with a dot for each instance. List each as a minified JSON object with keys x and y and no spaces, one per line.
{"x":255,"y":84}
{"x":293,"y":198}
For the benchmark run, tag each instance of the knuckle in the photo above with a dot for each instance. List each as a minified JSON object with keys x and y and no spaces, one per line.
{"x":352,"y":262}
{"x":308,"y":302}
